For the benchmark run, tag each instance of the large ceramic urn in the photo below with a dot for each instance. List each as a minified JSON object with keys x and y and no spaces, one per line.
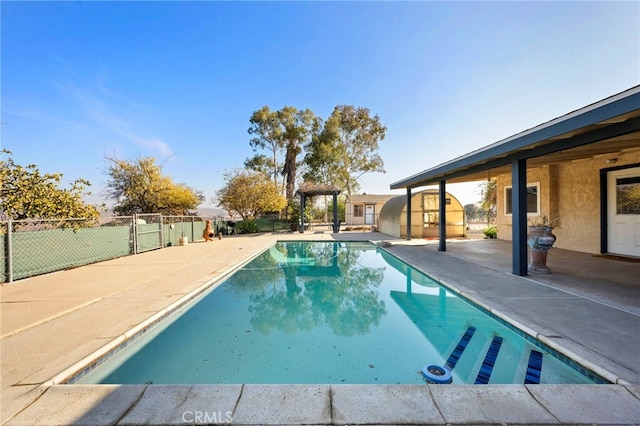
{"x":539,"y":239}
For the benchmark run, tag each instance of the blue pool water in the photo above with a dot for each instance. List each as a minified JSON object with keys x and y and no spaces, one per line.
{"x":331,"y":312}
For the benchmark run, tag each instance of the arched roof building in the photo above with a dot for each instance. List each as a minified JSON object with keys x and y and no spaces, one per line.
{"x":424,"y":216}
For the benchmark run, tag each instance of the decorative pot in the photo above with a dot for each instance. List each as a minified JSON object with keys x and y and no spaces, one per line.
{"x":539,"y":239}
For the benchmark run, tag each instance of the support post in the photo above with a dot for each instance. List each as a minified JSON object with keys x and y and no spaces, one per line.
{"x":336,"y":222}
{"x":604,"y":243}
{"x":301,"y":225}
{"x":134,"y":229}
{"x":160,"y":224}
{"x":408,"y":214}
{"x":442,"y":217}
{"x":9,"y":251}
{"x":519,"y":216}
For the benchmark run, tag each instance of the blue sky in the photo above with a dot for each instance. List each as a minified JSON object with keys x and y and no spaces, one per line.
{"x":178,"y":81}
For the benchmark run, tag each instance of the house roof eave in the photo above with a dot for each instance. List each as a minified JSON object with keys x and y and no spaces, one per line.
{"x":603,"y":119}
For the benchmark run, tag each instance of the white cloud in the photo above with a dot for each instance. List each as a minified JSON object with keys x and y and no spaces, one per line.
{"x":108,"y":110}
{"x":155,"y":144}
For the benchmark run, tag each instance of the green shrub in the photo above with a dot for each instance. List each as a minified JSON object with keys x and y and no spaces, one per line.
{"x":248,"y":227}
{"x":491,"y":232}
{"x":294,"y":214}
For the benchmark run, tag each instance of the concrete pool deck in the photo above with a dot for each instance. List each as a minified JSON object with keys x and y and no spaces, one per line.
{"x":590,"y":306}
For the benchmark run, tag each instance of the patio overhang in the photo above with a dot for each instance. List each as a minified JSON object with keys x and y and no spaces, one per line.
{"x":605,"y":128}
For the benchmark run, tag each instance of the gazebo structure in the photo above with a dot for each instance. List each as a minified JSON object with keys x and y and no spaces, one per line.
{"x":308,"y":189}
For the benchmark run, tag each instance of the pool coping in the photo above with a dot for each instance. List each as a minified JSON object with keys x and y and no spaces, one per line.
{"x":103,"y":353}
{"x":352,"y":404}
{"x":333,"y":404}
{"x":76,"y":371}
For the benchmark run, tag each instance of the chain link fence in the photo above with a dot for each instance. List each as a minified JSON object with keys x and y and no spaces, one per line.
{"x":35,"y":247}
{"x":176,"y":227}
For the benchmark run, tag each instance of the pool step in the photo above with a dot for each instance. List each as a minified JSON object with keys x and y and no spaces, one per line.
{"x":489,"y":360}
{"x":534,"y":368}
{"x":460,"y":347}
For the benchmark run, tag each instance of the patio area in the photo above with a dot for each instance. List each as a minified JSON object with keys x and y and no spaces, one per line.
{"x":589,"y":307}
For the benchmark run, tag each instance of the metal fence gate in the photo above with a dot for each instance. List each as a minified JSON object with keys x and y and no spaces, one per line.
{"x":147,"y":232}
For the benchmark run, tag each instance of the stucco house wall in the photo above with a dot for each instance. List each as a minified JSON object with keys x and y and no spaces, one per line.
{"x":571,"y":192}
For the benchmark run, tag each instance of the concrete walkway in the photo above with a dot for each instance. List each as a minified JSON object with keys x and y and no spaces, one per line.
{"x":52,"y":322}
{"x":589,"y":305}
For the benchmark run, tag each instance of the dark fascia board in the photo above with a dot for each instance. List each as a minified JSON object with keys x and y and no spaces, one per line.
{"x":606,"y":109}
{"x":596,"y":135}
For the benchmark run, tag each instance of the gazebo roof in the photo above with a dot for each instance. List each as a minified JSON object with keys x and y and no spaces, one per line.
{"x":311,"y":189}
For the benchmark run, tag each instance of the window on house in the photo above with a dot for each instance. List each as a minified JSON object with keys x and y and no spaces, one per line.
{"x":358,"y":210}
{"x":628,"y":195}
{"x":533,"y":199}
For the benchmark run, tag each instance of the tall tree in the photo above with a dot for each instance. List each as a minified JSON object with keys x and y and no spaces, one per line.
{"x":29,"y":194}
{"x":267,"y":135}
{"x":249,"y":193}
{"x":322,"y":158}
{"x":260,"y":163}
{"x":282,"y":132}
{"x":489,"y":200}
{"x":140,"y":187}
{"x":346,"y":148}
{"x":298,"y":128}
{"x":473,"y":212}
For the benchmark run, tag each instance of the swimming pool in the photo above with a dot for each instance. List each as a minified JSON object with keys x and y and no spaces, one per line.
{"x":331,"y":312}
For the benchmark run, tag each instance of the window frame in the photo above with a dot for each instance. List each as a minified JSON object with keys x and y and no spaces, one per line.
{"x":507,"y":205}
{"x":359,"y":207}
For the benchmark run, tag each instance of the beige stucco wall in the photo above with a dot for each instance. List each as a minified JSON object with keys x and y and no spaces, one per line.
{"x":571,"y":192}
{"x":350,"y":219}
{"x":359,"y":220}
